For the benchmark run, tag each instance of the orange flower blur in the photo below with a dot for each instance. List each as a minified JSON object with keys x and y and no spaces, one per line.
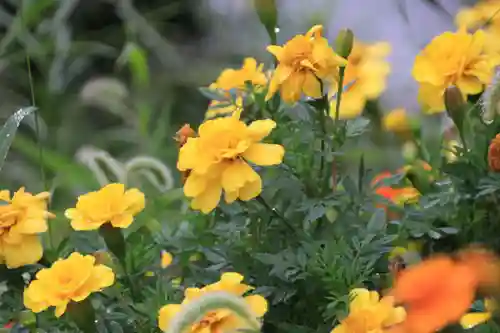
{"x":439,"y":291}
{"x":494,"y":154}
{"x":399,"y":196}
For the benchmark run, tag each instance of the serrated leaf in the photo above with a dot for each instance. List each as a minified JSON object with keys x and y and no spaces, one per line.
{"x":377,"y":221}
{"x":315,"y":213}
{"x":9,"y":130}
{"x":357,"y":127}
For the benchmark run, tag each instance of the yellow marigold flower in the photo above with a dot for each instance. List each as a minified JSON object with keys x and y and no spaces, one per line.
{"x":222,"y":320}
{"x":236,"y":79}
{"x":218,"y":160}
{"x":483,"y":15}
{"x":369,"y":313}
{"x":302,"y":62}
{"x":397,"y":121}
{"x":453,"y":58}
{"x":110,"y":204}
{"x":365,"y":78}
{"x":71,"y":279}
{"x":166,"y":259}
{"x":473,"y":319}
{"x":22,"y":218}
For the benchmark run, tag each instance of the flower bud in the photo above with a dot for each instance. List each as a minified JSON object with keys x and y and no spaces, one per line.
{"x":455,"y":105}
{"x":344,"y":43}
{"x":494,"y":154}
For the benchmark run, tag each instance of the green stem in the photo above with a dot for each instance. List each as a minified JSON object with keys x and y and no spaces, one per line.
{"x":337,"y":117}
{"x":275,"y":212}
{"x":38,"y":139}
{"x":339,"y":93}
{"x":323,"y":112}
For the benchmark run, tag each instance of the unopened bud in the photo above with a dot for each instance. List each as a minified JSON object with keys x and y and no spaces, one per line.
{"x":455,"y":105}
{"x":183,"y":134}
{"x":344,"y":43}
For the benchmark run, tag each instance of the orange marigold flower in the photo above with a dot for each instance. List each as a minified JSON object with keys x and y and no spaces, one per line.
{"x":439,"y":291}
{"x":494,"y":154}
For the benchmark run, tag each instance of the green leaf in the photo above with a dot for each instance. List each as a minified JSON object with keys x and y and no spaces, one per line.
{"x":213,"y":94}
{"x":315,"y":212}
{"x":357,"y":126}
{"x":377,"y":221}
{"x":114,"y":240}
{"x":9,"y":130}
{"x":83,"y":315}
{"x":137,"y":60}
{"x":268,"y":15}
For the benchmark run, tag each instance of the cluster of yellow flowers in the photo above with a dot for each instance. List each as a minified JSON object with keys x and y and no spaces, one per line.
{"x":74,"y":278}
{"x":25,"y":215}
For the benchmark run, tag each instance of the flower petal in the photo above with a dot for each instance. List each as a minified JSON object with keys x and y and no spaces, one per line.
{"x":473,"y":319}
{"x":258,"y":304}
{"x":28,"y":252}
{"x":264,"y":154}
{"x":195,"y":184}
{"x":208,"y":199}
{"x":251,"y":190}
{"x":166,"y":314}
{"x":259,"y":129}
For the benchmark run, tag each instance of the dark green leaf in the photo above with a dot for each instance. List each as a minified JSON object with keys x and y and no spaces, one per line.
{"x":9,"y":129}
{"x":377,"y":221}
{"x":268,"y":15}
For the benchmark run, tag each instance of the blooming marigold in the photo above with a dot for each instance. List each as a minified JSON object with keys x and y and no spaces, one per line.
{"x":453,"y":58}
{"x":365,"y":76}
{"x":236,"y":79}
{"x":22,"y":218}
{"x":302,"y":62}
{"x":217,"y":159}
{"x":110,"y":204}
{"x":222,"y":320}
{"x":71,"y":279}
{"x":494,"y":154}
{"x":433,"y":303}
{"x":369,"y":313}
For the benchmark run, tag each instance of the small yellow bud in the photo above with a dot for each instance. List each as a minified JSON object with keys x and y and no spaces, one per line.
{"x":166,"y":259}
